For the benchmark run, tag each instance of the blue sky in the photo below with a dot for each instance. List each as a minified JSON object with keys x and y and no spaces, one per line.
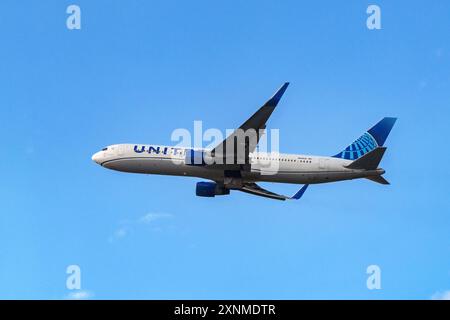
{"x":137,"y":70}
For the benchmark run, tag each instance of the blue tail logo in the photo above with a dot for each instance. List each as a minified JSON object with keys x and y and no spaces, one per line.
{"x":374,"y":137}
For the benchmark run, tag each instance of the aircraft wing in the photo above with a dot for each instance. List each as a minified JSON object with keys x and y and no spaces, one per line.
{"x":253,"y":128}
{"x":254,"y":189}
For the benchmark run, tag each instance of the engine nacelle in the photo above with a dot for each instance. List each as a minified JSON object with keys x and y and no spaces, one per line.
{"x":210,"y":189}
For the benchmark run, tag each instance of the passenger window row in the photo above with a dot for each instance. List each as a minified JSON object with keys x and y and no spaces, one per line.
{"x":284,"y":159}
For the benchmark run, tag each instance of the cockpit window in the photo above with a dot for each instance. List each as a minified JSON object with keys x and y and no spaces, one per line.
{"x":104,"y":149}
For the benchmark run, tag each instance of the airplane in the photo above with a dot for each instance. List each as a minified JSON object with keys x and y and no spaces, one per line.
{"x":242,"y":165}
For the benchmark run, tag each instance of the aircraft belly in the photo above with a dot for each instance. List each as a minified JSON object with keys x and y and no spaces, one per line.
{"x":177,"y":167}
{"x":163,"y":166}
{"x":309,"y":177}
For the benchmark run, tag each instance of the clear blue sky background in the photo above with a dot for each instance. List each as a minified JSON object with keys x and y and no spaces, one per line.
{"x":137,"y":70}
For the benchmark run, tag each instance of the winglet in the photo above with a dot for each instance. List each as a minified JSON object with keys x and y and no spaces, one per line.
{"x":300,"y":192}
{"x":272,"y":102}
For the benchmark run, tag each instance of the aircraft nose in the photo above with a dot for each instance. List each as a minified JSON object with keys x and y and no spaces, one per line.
{"x":96,"y":157}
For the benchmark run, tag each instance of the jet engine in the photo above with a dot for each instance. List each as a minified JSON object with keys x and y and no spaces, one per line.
{"x":210,"y":189}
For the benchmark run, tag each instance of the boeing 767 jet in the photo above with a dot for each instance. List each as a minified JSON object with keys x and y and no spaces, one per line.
{"x":236,"y":164}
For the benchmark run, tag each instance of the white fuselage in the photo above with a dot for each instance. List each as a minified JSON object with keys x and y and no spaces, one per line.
{"x":267,"y":167}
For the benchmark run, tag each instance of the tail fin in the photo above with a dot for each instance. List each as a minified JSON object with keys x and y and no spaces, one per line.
{"x":369,"y":161}
{"x":373,"y":138}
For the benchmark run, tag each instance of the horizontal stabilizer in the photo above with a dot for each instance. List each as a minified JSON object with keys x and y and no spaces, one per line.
{"x":378,"y":179}
{"x":369,"y":161}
